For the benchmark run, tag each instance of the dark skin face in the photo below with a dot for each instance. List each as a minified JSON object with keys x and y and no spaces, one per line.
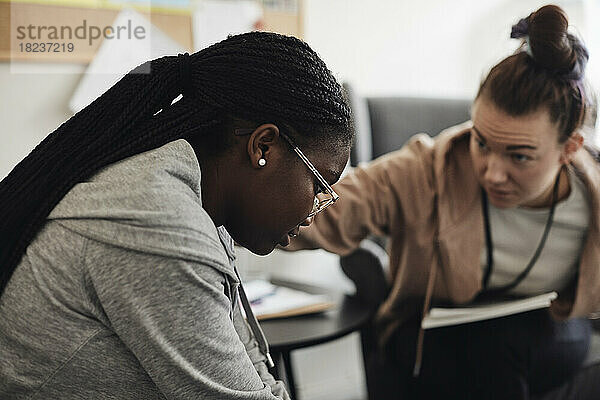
{"x":260,"y":205}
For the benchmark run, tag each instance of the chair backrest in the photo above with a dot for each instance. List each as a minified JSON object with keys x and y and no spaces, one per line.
{"x":395,"y":119}
{"x":384,"y":124}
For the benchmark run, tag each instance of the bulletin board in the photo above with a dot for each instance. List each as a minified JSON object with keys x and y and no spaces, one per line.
{"x":176,"y":25}
{"x":173,"y":21}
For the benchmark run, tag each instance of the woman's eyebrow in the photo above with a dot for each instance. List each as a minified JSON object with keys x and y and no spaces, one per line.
{"x":510,"y":147}
{"x":479,"y":135}
{"x":522,"y":146}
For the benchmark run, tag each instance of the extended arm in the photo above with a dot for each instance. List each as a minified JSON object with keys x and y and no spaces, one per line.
{"x":373,"y":199}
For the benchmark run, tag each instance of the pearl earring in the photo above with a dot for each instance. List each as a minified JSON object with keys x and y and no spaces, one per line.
{"x":262,"y":162}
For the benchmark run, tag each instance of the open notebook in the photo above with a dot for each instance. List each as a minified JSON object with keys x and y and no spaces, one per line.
{"x":272,"y":301}
{"x":441,"y":316}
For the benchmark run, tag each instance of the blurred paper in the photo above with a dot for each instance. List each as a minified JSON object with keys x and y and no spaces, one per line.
{"x":213,"y":20}
{"x":270,"y":301}
{"x":116,"y":57}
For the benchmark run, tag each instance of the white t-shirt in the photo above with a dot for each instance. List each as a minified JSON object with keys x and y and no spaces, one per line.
{"x":516,"y":233}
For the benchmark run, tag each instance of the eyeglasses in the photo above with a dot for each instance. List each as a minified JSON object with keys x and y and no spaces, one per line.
{"x":325,"y":195}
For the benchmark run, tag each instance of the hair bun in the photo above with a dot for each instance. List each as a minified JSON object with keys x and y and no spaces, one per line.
{"x":552,"y":46}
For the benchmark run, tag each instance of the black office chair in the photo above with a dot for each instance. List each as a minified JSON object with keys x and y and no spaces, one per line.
{"x":367,"y":268}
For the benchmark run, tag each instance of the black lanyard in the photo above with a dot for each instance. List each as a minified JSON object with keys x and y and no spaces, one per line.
{"x":490,"y":247}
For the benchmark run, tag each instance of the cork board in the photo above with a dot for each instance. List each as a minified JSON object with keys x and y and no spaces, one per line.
{"x":176,"y":24}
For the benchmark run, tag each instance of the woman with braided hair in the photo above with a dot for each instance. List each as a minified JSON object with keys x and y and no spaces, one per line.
{"x":117,"y":271}
{"x":505,"y":204}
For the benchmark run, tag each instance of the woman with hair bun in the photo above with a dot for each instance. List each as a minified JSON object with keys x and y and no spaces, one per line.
{"x":117,"y":268}
{"x":505,"y":204}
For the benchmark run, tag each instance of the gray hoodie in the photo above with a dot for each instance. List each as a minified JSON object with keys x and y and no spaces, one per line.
{"x":129,"y":292}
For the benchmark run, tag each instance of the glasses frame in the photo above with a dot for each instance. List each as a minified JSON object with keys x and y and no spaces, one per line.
{"x":325,"y":187}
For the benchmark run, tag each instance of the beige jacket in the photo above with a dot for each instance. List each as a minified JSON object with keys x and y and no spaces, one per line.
{"x":426,"y":198}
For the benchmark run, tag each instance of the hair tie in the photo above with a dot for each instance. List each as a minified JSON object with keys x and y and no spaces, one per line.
{"x":577,"y":73}
{"x":520,"y":29}
{"x":185,"y":73}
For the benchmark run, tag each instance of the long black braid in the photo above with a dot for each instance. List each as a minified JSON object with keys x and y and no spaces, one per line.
{"x":255,"y":76}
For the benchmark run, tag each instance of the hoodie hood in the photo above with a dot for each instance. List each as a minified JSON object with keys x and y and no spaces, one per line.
{"x":150,"y":202}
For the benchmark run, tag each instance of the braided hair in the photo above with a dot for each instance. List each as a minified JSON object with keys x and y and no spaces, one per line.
{"x":255,"y":76}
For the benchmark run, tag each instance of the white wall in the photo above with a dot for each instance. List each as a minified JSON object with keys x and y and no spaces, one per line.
{"x":31,"y":106}
{"x":427,"y":48}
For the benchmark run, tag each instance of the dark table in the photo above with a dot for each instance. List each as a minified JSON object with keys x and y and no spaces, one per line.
{"x":286,"y":334}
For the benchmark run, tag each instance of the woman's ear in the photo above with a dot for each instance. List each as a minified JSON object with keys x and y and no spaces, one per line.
{"x":261,"y":144}
{"x":570,"y":147}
